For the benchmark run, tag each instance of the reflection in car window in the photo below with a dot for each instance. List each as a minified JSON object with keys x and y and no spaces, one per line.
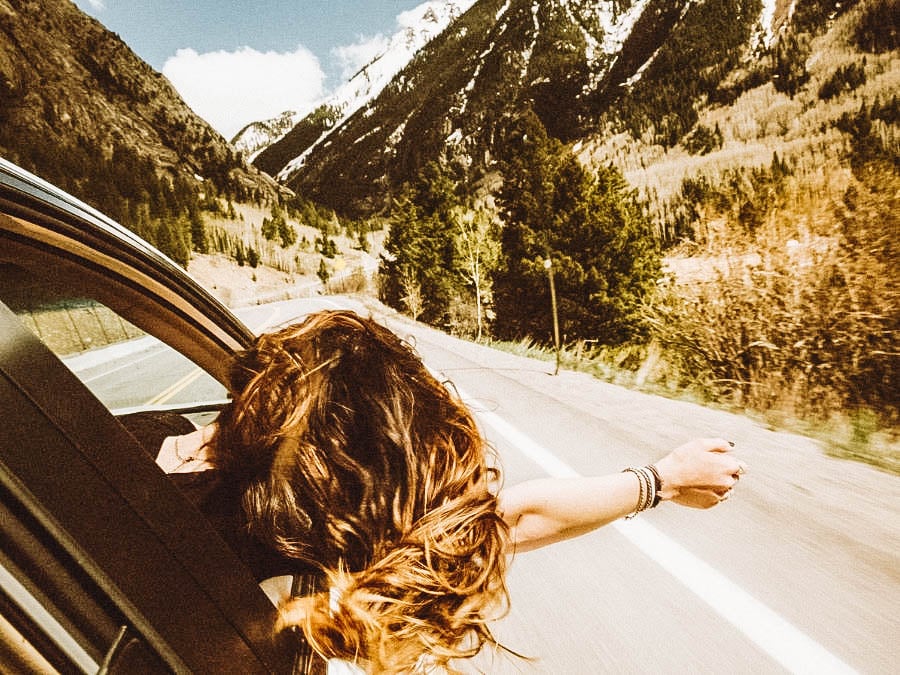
{"x":123,"y":366}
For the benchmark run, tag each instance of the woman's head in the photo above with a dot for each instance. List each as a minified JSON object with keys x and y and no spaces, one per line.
{"x":361,"y":463}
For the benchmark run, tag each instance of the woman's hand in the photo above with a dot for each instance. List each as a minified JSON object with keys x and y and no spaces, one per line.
{"x":700,"y":473}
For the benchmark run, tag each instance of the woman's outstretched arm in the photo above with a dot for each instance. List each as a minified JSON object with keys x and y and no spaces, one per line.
{"x":698,"y":474}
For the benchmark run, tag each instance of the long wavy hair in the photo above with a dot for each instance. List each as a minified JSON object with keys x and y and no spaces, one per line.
{"x":367,"y":468}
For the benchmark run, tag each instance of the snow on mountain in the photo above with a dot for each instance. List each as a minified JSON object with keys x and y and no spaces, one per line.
{"x":254,"y":137}
{"x":417,"y":27}
{"x":617,"y":25}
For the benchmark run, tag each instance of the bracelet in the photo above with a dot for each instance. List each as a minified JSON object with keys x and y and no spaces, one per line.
{"x":640,"y":502}
{"x":656,"y":481}
{"x":649,"y":486}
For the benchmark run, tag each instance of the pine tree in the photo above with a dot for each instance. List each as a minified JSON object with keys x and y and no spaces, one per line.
{"x":605,"y":259}
{"x":173,"y":239}
{"x":323,"y":272}
{"x":198,"y":230}
{"x":419,"y":249}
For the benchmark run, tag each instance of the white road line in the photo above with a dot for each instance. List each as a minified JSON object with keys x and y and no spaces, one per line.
{"x":780,"y":639}
{"x":127,"y":364}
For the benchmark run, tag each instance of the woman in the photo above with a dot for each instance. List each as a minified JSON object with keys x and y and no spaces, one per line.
{"x":343,"y":459}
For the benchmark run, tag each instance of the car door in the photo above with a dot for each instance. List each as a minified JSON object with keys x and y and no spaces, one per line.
{"x":104,"y":565}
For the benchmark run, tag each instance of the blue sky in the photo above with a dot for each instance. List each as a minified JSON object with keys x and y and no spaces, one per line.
{"x":236,"y":62}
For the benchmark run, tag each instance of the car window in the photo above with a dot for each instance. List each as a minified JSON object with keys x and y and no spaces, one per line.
{"x":105,"y":566}
{"x":123,"y":366}
{"x":93,"y":538}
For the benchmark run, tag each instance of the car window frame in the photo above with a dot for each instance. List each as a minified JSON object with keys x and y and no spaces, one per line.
{"x":121,"y":270}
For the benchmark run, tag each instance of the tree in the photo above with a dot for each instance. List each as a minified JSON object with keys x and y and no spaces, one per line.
{"x":252,"y":257}
{"x":477,"y":252}
{"x":419,"y":249}
{"x":605,"y":258}
{"x":528,"y":159}
{"x":412,"y":293}
{"x":198,"y":230}
{"x":789,"y":66}
{"x":269,"y":228}
{"x":173,"y":239}
{"x":323,"y":272}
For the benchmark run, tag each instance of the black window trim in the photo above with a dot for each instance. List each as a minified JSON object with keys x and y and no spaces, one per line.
{"x":106,"y":501}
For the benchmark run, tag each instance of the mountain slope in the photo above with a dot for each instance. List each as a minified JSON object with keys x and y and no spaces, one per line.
{"x":648,"y":68}
{"x":418,"y":27}
{"x":569,"y":60}
{"x":73,"y":96}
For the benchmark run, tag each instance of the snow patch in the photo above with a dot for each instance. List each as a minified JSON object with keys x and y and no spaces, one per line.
{"x":616,"y":27}
{"x":767,"y":19}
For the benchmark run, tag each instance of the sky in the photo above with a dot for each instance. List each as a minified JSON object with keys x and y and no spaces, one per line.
{"x":236,"y":62}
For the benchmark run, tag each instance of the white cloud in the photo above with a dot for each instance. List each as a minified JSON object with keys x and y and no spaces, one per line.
{"x":97,"y":4}
{"x":232,"y":89}
{"x":353,"y":57}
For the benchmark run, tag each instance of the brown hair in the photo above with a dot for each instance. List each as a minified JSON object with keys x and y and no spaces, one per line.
{"x":366,"y":467}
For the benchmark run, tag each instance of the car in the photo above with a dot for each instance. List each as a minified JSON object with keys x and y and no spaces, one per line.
{"x":105,"y":566}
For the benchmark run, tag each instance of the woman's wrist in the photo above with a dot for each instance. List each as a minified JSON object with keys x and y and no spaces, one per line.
{"x":668,"y":488}
{"x":649,"y":485}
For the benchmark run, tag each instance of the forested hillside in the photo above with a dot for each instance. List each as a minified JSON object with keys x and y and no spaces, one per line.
{"x":81,"y":110}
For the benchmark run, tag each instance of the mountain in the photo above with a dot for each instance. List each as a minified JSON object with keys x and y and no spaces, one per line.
{"x":294,"y":142}
{"x":257,"y":136}
{"x":79,"y":108}
{"x":567,"y":59}
{"x":586,"y":68}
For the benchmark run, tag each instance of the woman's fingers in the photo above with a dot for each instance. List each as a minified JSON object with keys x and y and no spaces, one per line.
{"x":701,"y":471}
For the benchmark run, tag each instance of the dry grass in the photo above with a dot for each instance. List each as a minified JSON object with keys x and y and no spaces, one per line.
{"x":301,"y":258}
{"x":759,"y":123}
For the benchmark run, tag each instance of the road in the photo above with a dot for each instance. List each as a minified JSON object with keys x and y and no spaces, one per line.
{"x":797,"y":572}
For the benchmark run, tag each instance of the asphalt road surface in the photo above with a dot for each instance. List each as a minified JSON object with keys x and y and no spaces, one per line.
{"x":797,"y":572}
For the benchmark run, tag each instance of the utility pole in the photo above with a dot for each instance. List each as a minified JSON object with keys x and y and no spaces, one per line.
{"x":548,"y":265}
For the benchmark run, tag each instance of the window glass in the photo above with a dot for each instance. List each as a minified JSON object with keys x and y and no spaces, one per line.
{"x":123,"y":366}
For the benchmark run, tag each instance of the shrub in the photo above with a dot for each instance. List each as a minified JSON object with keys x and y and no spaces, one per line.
{"x":703,"y":140}
{"x":809,"y":329}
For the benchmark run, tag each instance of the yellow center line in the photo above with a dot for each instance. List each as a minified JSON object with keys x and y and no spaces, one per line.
{"x":185,"y":381}
{"x":164,"y":396}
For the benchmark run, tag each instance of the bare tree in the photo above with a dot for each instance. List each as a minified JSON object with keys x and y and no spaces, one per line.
{"x":412,"y":292}
{"x":477,"y":250}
